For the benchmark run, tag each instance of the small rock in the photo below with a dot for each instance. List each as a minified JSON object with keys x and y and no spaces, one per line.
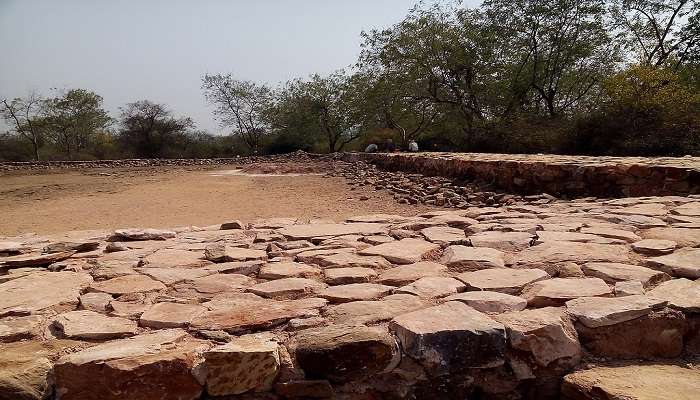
{"x":343,"y":353}
{"x":90,"y":325}
{"x":463,"y":258}
{"x":405,"y":251}
{"x":654,"y":247}
{"x":490,"y":302}
{"x":244,"y":364}
{"x":287,"y":288}
{"x":354,"y":292}
{"x":556,"y":291}
{"x":503,"y":280}
{"x":450,"y":337}
{"x":628,"y":288}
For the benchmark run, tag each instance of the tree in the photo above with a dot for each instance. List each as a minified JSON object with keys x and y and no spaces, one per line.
{"x":149,"y":128}
{"x":659,"y":31}
{"x":439,"y":56}
{"x":560,"y":50}
{"x":24,"y":114}
{"x":239,"y":104}
{"x":73,"y":118}
{"x":384,"y":100}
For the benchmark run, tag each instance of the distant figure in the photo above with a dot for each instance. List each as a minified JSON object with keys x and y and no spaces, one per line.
{"x":372,"y":148}
{"x":413,"y":146}
{"x":390,"y":147}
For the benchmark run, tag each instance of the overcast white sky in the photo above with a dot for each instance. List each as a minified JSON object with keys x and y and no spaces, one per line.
{"x":159,"y":49}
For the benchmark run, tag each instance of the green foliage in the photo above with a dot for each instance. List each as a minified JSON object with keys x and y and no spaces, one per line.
{"x":72,"y":119}
{"x":149,"y":130}
{"x":240,"y":105}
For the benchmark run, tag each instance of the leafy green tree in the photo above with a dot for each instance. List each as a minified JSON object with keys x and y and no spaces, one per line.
{"x":384,"y":100}
{"x":149,"y":129}
{"x":240,"y":105}
{"x":73,"y":118}
{"x":24,"y":115}
{"x":439,"y":56}
{"x":560,"y":51}
{"x":659,"y":31}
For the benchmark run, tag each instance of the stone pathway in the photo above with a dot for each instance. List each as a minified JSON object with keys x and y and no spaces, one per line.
{"x":581,"y":299}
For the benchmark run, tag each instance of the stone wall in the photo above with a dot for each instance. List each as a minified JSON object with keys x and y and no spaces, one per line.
{"x":567,"y":176}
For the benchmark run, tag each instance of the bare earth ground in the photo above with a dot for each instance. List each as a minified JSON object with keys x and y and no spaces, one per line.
{"x":51,"y":202}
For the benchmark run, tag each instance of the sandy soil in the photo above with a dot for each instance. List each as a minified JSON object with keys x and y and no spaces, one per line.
{"x":53,"y":202}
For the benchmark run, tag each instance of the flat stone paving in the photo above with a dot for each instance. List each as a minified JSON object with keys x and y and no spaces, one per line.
{"x":383,"y":308}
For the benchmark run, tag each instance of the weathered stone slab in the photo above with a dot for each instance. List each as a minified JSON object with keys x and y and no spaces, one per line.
{"x":13,"y":329}
{"x":557,"y":291}
{"x":490,"y":302}
{"x":170,"y":315}
{"x":368,"y":312}
{"x":450,"y":337}
{"x":656,"y":334}
{"x":595,"y":312}
{"x":143,"y":234}
{"x":560,"y":252}
{"x":682,"y":263}
{"x":578,"y":237}
{"x":244,"y":364}
{"x":405,"y":274}
{"x":132,"y":368}
{"x":546,"y":333}
{"x":628,"y":288}
{"x":503,"y":241}
{"x":612,"y":233}
{"x":287,"y":269}
{"x":91,"y":325}
{"x":218,"y":283}
{"x":42,"y":291}
{"x":25,"y":368}
{"x":169,"y":258}
{"x":34,"y":259}
{"x":347,"y":259}
{"x":681,"y":294}
{"x":344,"y":276}
{"x":299,"y":232}
{"x":432,"y":287}
{"x":287,"y":288}
{"x":342,"y":353}
{"x":405,"y":251}
{"x":633,"y":382}
{"x":355,"y":292}
{"x":78,"y":246}
{"x":444,"y":235}
{"x":616,"y":272}
{"x":173,"y":275}
{"x":223,"y":253}
{"x":654,"y":247}
{"x":503,"y":280}
{"x":253,"y":313}
{"x":463,"y":258}
{"x":128,"y":284}
{"x":684,"y":237}
{"x":97,"y":302}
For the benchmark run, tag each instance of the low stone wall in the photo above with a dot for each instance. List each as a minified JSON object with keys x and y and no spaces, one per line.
{"x":155,"y":162}
{"x":128,"y":163}
{"x":566,"y":176}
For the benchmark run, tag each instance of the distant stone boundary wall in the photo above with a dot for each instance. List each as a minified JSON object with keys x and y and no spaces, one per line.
{"x":156,"y":162}
{"x":569,"y":176}
{"x":33,"y":165}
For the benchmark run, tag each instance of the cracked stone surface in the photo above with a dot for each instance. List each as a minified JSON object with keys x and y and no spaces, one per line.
{"x":505,"y":301}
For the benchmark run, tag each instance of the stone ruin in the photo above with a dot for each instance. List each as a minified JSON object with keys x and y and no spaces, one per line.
{"x":573,"y":299}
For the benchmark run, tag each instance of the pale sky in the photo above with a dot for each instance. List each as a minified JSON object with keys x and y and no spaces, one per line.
{"x":128,"y":50}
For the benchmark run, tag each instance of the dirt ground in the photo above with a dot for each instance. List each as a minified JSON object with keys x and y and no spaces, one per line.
{"x":52,"y":202}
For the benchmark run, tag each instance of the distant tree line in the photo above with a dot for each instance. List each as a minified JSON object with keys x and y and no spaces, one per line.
{"x":619,"y":77}
{"x":73,"y":125}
